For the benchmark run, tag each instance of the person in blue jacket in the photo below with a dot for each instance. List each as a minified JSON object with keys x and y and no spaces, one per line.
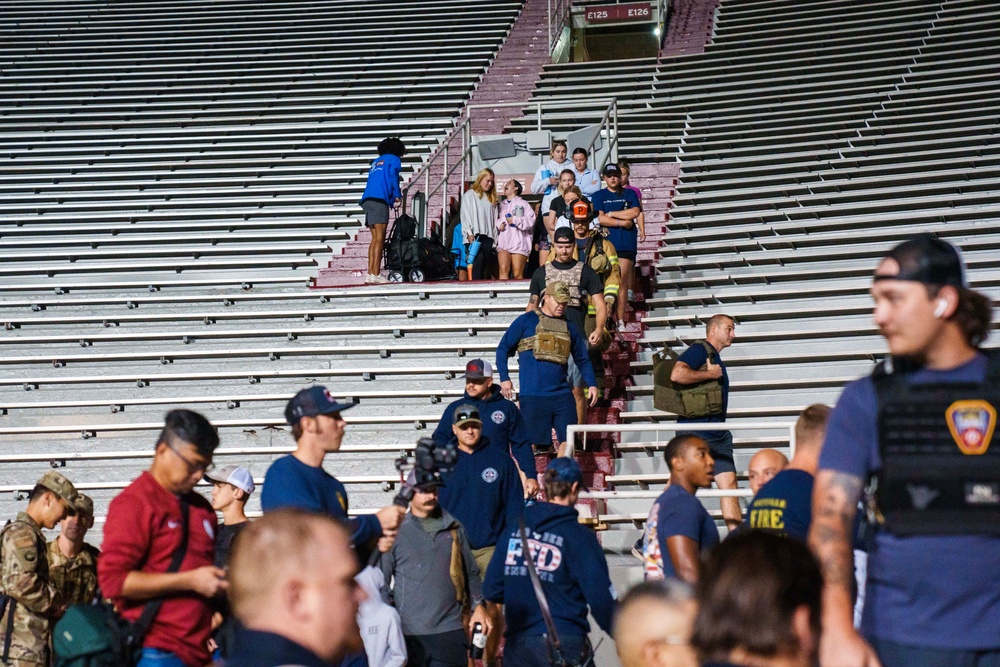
{"x":381,"y":192}
{"x":546,"y":397}
{"x":483,"y":491}
{"x":503,"y":424}
{"x":298,"y":480}
{"x":571,"y":567}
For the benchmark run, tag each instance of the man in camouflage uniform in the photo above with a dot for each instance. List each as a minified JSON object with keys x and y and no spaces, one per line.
{"x":73,"y":562}
{"x":31,"y":602}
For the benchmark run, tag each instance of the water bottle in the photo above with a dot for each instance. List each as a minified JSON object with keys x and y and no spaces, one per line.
{"x":473,"y":251}
{"x":478,"y":642}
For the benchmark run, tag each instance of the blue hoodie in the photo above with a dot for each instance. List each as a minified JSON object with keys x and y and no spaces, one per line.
{"x":572,"y":568}
{"x":484,"y":493}
{"x":541,"y":378}
{"x":383,"y":179}
{"x":503,"y":426}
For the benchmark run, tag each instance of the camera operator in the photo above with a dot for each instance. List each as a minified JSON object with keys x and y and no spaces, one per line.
{"x":429,"y":591}
{"x":299,"y":480}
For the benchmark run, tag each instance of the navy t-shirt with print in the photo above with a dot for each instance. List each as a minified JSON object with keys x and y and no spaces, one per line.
{"x":677,"y":512}
{"x":937,"y":591}
{"x":605,"y":201}
{"x":695,"y":357}
{"x":783,"y":505}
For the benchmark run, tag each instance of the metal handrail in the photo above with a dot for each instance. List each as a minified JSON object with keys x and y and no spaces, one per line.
{"x":673,"y":427}
{"x":558,"y":10}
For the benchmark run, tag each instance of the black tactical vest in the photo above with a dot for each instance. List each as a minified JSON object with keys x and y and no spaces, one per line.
{"x":940,"y":467}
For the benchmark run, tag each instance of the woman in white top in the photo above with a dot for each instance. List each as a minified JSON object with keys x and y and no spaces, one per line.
{"x":547,"y":176}
{"x":478,"y":213}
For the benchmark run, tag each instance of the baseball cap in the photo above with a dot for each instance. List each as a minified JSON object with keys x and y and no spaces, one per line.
{"x":567,"y":470}
{"x":582,"y":211}
{"x":84,"y":504}
{"x":311,"y":402}
{"x":465,"y":414}
{"x":62,"y":487}
{"x":235,"y":475}
{"x":611,"y":169}
{"x":564,"y":235}
{"x":559,"y":291}
{"x":926,"y":259}
{"x":422,"y":481}
{"x":478,"y":369}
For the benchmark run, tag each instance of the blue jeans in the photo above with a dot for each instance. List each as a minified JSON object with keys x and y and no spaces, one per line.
{"x":154,"y":657}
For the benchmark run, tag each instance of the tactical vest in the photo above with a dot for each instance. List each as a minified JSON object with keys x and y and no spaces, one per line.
{"x":940,"y":474}
{"x":571,"y":277}
{"x":551,"y":341}
{"x":693,"y":401}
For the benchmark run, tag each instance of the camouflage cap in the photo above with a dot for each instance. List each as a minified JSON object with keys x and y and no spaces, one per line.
{"x":559,"y":291}
{"x":84,"y":504}
{"x":60,"y":486}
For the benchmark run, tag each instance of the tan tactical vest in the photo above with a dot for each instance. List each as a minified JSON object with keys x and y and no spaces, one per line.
{"x":551,"y":341}
{"x":571,"y":277}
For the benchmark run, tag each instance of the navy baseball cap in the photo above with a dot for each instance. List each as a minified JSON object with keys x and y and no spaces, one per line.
{"x":311,"y":402}
{"x":478,"y":369}
{"x":567,"y":470}
{"x":926,"y":259}
{"x":611,"y":169}
{"x":563,"y":235}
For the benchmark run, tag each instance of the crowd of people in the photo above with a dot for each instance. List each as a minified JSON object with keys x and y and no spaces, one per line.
{"x":490,"y":548}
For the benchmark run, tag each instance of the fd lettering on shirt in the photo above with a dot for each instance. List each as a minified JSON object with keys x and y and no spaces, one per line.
{"x":545,"y":552}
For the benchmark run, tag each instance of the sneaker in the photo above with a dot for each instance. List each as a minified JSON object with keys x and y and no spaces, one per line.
{"x":379,"y":280}
{"x":637,"y":549}
{"x":622,"y":326}
{"x":368,"y":279}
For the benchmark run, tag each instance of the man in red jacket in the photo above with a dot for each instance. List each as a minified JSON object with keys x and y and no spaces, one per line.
{"x":143,"y":531}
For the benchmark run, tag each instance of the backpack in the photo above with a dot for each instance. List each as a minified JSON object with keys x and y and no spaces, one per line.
{"x":691,"y":400}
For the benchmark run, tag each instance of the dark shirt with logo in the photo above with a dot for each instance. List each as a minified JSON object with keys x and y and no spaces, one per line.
{"x":484,"y":493}
{"x":783,"y":505}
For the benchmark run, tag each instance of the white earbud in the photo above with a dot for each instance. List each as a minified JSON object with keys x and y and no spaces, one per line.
{"x":942,"y":306}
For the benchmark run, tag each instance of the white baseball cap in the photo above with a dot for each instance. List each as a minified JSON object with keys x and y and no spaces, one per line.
{"x":235,"y":475}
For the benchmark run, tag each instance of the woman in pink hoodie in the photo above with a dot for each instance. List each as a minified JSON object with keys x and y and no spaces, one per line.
{"x":515,"y":224}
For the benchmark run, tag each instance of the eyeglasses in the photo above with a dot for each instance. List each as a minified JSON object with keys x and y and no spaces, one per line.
{"x":192,"y":467}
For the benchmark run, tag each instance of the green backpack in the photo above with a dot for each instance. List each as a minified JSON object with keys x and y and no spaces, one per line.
{"x":94,"y":636}
{"x":686,"y":400}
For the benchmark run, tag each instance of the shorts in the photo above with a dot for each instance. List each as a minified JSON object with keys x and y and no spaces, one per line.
{"x":544,"y":413}
{"x":544,"y":243}
{"x":573,"y":375}
{"x":376,"y":212}
{"x":483,"y":557}
{"x":720,"y":444}
{"x":627,"y":254}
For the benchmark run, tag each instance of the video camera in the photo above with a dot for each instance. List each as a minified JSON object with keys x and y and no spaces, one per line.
{"x":431,"y":460}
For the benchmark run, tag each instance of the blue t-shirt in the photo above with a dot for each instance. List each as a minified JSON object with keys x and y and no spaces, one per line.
{"x":783,"y":505}
{"x":675,"y":512}
{"x":542,"y":378}
{"x":291,"y":483}
{"x":939,"y":591}
{"x":605,"y":201}
{"x":695,"y":357}
{"x":484,"y":493}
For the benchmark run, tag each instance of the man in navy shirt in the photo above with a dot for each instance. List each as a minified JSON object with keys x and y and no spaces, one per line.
{"x":932,"y":595}
{"x":293,"y":589}
{"x":679,"y":527}
{"x":617,"y":208}
{"x":784,"y":504}
{"x":503,"y":424}
{"x":546,"y":398}
{"x":571,"y":567}
{"x":698,"y":365}
{"x":299,"y":480}
{"x":484,"y":490}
